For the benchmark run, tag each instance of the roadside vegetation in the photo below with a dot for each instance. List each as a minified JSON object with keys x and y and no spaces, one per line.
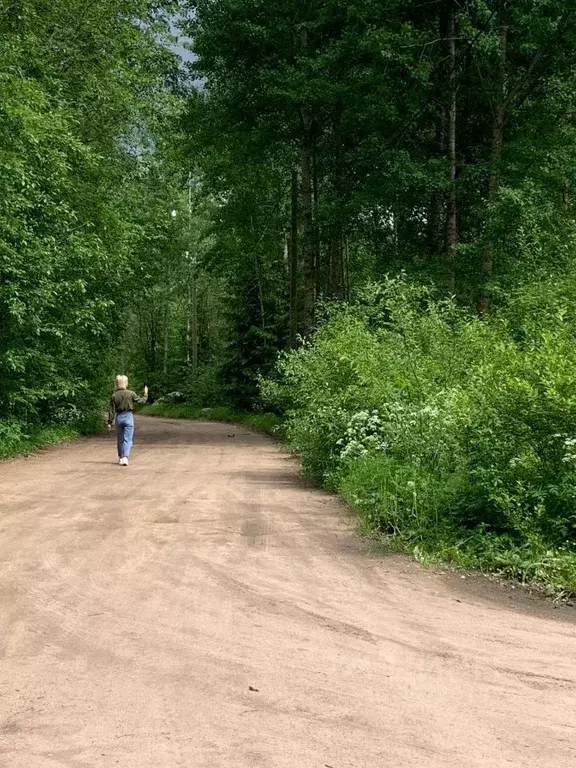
{"x":452,"y":437}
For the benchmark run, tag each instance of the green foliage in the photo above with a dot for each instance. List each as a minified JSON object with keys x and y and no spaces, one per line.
{"x":449,"y":435}
{"x":82,"y":93}
{"x":14,"y":441}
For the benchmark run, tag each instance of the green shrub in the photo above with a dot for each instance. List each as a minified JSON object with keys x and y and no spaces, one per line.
{"x":11,"y":437}
{"x":15,"y":441}
{"x":398,"y":498}
{"x":452,"y":436}
{"x":21,"y":437}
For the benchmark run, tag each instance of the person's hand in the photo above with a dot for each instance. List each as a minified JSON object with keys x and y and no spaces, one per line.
{"x":145,"y":390}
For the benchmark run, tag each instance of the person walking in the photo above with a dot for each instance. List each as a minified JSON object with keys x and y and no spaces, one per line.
{"x":121,"y":410}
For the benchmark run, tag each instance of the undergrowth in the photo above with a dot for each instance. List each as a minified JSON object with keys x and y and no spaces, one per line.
{"x":453,"y":438}
{"x":24,"y":442}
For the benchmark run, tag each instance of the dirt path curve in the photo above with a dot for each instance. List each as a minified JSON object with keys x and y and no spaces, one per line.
{"x":139,"y":608}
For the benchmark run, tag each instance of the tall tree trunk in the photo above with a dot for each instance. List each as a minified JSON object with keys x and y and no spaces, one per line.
{"x":188,"y":321}
{"x":153,"y":342}
{"x":435,"y":217}
{"x":308,"y":239}
{"x":259,"y":286}
{"x":452,"y":202}
{"x":293,"y":255}
{"x":166,"y":340}
{"x":332,"y":274}
{"x":567,"y":195}
{"x":437,"y":206}
{"x":307,"y":202}
{"x":194,"y":324}
{"x":436,"y":214}
{"x":496,"y":152}
{"x":337,"y":276}
{"x":345,"y":268}
{"x":341,"y":192}
{"x":321,"y":267}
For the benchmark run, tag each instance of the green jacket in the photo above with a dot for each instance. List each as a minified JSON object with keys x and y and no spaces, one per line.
{"x":123,"y":400}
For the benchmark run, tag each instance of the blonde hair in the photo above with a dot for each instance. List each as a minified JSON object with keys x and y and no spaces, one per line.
{"x":121,"y":382}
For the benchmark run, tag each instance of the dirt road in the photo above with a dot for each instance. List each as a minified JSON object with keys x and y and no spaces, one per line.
{"x":203,"y":608}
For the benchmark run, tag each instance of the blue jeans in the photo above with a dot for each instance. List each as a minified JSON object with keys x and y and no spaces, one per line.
{"x":124,"y":433}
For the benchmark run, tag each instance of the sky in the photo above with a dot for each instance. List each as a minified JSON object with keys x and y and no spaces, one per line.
{"x":184,"y":54}
{"x":179,"y":47}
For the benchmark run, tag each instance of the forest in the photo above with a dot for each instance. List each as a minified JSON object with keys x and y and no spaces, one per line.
{"x":355,"y":221}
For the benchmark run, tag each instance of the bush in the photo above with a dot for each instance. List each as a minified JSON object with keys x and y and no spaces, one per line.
{"x":171,"y":398}
{"x":451,"y":436}
{"x":15,"y":439}
{"x":60,"y":422}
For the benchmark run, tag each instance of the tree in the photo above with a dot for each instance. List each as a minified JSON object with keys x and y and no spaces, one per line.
{"x":82,"y":90}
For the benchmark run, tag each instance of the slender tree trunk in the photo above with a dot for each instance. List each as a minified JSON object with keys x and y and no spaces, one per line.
{"x":335,"y":246}
{"x":346,"y":268}
{"x":258,"y":277}
{"x":166,"y":341}
{"x":293,"y":254}
{"x":308,"y":240}
{"x":435,"y":216}
{"x":395,"y":230}
{"x":142,"y":330}
{"x":436,"y":219}
{"x":452,"y":201}
{"x":332,"y":269}
{"x":192,"y":334}
{"x":194,"y":324}
{"x":496,"y":152}
{"x":191,"y":318}
{"x":567,"y":195}
{"x":437,"y":207}
{"x":320,"y":266}
{"x":260,"y":290}
{"x":153,"y":342}
{"x":189,"y":321}
{"x":337,"y":276}
{"x":307,"y":203}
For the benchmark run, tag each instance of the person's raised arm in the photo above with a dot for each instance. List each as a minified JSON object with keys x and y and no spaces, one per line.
{"x":141,"y":400}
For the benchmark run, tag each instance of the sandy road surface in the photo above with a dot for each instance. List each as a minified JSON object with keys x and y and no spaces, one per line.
{"x":139,"y":606}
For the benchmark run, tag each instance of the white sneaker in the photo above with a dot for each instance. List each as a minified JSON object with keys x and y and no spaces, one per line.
{"x":119,"y":461}
{"x":125,"y":461}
